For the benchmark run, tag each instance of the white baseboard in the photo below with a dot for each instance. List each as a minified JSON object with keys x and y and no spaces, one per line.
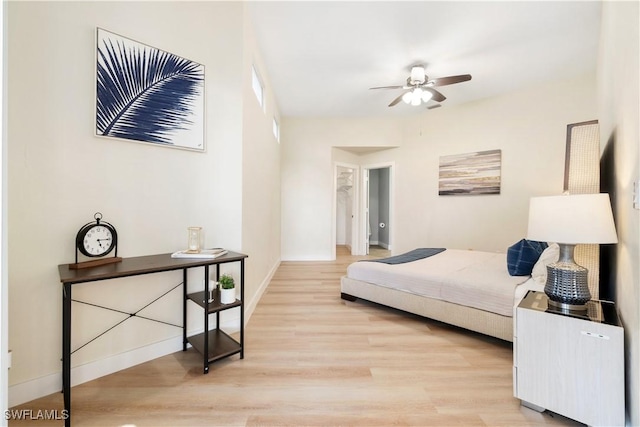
{"x":43,"y":386}
{"x":251,"y":305}
{"x":308,"y":258}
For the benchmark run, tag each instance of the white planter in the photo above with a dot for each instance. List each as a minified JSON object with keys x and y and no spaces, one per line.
{"x":228,"y":296}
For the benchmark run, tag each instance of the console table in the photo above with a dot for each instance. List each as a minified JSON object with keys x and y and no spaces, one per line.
{"x":213,"y":345}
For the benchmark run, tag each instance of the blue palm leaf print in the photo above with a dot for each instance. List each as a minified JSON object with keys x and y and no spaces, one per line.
{"x":145,"y":94}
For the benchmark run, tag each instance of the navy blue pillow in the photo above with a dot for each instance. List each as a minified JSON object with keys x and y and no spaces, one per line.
{"x":522,"y":256}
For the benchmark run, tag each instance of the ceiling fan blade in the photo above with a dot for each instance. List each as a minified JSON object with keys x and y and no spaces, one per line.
{"x":443,"y":81}
{"x":398,"y":99}
{"x":388,"y":87}
{"x":434,"y":106}
{"x":437,"y":96}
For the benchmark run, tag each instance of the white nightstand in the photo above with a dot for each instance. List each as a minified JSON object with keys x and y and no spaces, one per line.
{"x":571,"y":364}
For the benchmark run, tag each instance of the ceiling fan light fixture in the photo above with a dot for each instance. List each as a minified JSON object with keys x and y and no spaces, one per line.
{"x":417,"y":75}
{"x":419,"y":91}
{"x":416,"y":97}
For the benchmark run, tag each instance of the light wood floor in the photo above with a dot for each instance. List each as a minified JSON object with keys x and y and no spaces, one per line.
{"x":312,"y":359}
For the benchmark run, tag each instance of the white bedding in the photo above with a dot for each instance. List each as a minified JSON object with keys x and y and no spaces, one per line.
{"x":469,"y":278}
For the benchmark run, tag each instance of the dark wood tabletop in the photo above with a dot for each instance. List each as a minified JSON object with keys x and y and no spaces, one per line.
{"x":135,"y":266}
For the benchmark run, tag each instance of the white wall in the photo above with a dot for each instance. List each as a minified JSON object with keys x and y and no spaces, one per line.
{"x":529,"y":126}
{"x":60,"y":175}
{"x":619,"y":112}
{"x":260,"y":176}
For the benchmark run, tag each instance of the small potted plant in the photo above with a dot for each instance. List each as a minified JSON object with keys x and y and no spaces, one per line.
{"x":227,"y":289}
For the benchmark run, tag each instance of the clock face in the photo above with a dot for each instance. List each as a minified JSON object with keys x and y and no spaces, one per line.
{"x":98,"y":240}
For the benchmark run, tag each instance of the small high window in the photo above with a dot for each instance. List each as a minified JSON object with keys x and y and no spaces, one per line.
{"x":258,"y":89}
{"x":276,"y":129}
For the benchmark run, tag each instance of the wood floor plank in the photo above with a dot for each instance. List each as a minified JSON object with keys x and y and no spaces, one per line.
{"x":313,"y":359}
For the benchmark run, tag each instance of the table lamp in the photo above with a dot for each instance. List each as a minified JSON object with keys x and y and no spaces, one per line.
{"x":569,"y":220}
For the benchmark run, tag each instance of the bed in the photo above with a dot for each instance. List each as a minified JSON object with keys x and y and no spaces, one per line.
{"x":470,"y":289}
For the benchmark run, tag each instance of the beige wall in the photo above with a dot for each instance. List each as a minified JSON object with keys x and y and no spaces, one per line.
{"x":619,"y":113}
{"x":260,"y":175}
{"x":529,"y":126}
{"x":60,"y":174}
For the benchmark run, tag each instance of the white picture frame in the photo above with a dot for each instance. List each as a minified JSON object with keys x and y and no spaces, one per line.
{"x":148,"y":95}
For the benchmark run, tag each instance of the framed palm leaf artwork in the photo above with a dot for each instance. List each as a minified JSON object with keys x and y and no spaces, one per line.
{"x":148,"y":95}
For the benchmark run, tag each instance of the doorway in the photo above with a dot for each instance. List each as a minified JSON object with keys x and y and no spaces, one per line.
{"x":345,"y":207}
{"x":345,"y":202}
{"x":377,"y":210}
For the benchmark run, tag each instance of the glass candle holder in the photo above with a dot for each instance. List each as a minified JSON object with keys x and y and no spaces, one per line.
{"x":194,"y":238}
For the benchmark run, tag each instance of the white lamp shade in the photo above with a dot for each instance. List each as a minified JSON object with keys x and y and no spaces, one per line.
{"x":572,"y":219}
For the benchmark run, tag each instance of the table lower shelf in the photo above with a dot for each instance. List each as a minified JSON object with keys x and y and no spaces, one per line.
{"x":221,"y":345}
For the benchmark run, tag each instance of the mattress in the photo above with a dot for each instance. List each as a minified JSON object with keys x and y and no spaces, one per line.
{"x":469,"y":278}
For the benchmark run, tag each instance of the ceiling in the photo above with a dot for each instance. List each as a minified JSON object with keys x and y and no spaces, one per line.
{"x":322,"y":57}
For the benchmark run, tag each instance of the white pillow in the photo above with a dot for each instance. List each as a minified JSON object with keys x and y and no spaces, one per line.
{"x":549,"y":255}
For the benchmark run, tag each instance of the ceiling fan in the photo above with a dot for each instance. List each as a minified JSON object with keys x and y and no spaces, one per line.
{"x":420,"y":89}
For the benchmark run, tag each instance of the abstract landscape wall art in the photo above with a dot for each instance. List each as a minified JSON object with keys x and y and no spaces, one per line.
{"x":148,"y":95}
{"x":470,"y":173}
